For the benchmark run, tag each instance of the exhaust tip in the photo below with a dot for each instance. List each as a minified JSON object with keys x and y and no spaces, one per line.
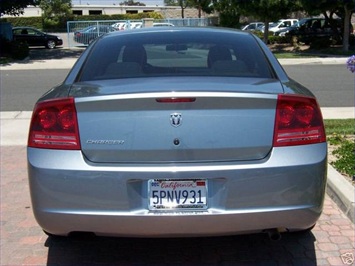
{"x":273,"y":234}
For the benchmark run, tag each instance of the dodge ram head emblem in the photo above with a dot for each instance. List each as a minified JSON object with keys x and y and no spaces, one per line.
{"x":175,"y":119}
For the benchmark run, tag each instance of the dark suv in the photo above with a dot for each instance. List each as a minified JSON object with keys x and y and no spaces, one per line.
{"x":308,"y":28}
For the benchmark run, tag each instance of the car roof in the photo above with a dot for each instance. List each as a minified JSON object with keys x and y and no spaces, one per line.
{"x":162,"y":23}
{"x":24,"y":27}
{"x":182,"y":29}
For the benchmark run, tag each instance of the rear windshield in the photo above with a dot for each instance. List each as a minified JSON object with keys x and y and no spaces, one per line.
{"x":175,"y":53}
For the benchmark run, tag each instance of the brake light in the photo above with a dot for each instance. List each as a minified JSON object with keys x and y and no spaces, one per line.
{"x":175,"y":100}
{"x":298,"y":121}
{"x":54,"y":125}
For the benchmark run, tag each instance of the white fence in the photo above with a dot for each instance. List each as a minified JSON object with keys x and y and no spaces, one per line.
{"x":81,"y":33}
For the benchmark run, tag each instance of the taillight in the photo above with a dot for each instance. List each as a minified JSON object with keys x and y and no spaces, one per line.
{"x":175,"y":100}
{"x":54,"y":125}
{"x":298,"y":121}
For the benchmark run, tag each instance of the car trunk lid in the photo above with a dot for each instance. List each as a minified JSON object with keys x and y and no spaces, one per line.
{"x":169,"y":127}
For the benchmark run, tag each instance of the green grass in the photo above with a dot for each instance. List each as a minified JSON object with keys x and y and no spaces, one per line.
{"x":331,"y":51}
{"x":4,"y":60}
{"x":338,"y":51}
{"x":285,"y":55}
{"x":339,"y":126}
{"x":338,"y":134}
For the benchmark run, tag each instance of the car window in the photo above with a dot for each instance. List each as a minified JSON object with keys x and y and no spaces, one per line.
{"x":251,"y":26}
{"x":16,"y":31}
{"x":33,"y":32}
{"x":175,"y":55}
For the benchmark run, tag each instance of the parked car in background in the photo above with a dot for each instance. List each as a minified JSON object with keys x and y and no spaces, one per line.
{"x":119,"y":25}
{"x":176,"y":132}
{"x":135,"y":25}
{"x":281,"y":24}
{"x":89,"y":34}
{"x":35,"y":37}
{"x":163,"y":24}
{"x":253,"y":26}
{"x":308,"y":28}
{"x":262,"y":27}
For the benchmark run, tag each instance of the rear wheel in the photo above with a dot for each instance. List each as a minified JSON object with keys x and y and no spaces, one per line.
{"x":50,"y":44}
{"x":52,"y":235}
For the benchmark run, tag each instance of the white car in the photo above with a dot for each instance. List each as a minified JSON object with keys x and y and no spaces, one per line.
{"x":163,"y":24}
{"x":119,"y":25}
{"x":135,"y":25}
{"x":281,"y":24}
{"x":124,"y":25}
{"x":253,"y":26}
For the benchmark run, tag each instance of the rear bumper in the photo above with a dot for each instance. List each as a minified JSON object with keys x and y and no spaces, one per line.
{"x":203,"y":224}
{"x":286,"y":190}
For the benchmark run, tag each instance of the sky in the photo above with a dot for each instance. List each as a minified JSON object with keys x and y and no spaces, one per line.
{"x":110,"y":2}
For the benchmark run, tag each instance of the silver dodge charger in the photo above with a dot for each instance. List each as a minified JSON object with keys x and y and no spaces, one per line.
{"x":177,"y":132}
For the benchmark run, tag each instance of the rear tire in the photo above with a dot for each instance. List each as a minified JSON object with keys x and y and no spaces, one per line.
{"x":50,"y":44}
{"x":52,"y":235}
{"x":304,"y":231}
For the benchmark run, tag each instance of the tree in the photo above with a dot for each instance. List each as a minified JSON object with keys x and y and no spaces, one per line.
{"x":54,"y":12}
{"x":131,"y":3}
{"x":349,"y":8}
{"x":171,"y":3}
{"x":55,"y":8}
{"x":263,"y":10}
{"x":182,"y":3}
{"x":202,"y":5}
{"x":267,"y":10}
{"x":14,"y":7}
{"x":229,"y":12}
{"x":330,"y":8}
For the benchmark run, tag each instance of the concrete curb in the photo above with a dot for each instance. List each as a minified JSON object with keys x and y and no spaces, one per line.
{"x":314,"y":60}
{"x":341,"y":192}
{"x":66,"y":63}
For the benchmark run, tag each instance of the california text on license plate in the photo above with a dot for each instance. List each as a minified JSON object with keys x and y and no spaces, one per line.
{"x":177,"y":194}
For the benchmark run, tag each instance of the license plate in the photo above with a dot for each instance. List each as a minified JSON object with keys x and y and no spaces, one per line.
{"x":177,"y":194}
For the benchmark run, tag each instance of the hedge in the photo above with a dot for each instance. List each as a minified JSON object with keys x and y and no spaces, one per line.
{"x":35,"y":22}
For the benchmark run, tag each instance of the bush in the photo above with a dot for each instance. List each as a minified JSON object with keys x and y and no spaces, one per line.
{"x":278,"y":39}
{"x":5,"y":46}
{"x":19,"y":50}
{"x":35,"y":22}
{"x":14,"y":49}
{"x":320,"y":43}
